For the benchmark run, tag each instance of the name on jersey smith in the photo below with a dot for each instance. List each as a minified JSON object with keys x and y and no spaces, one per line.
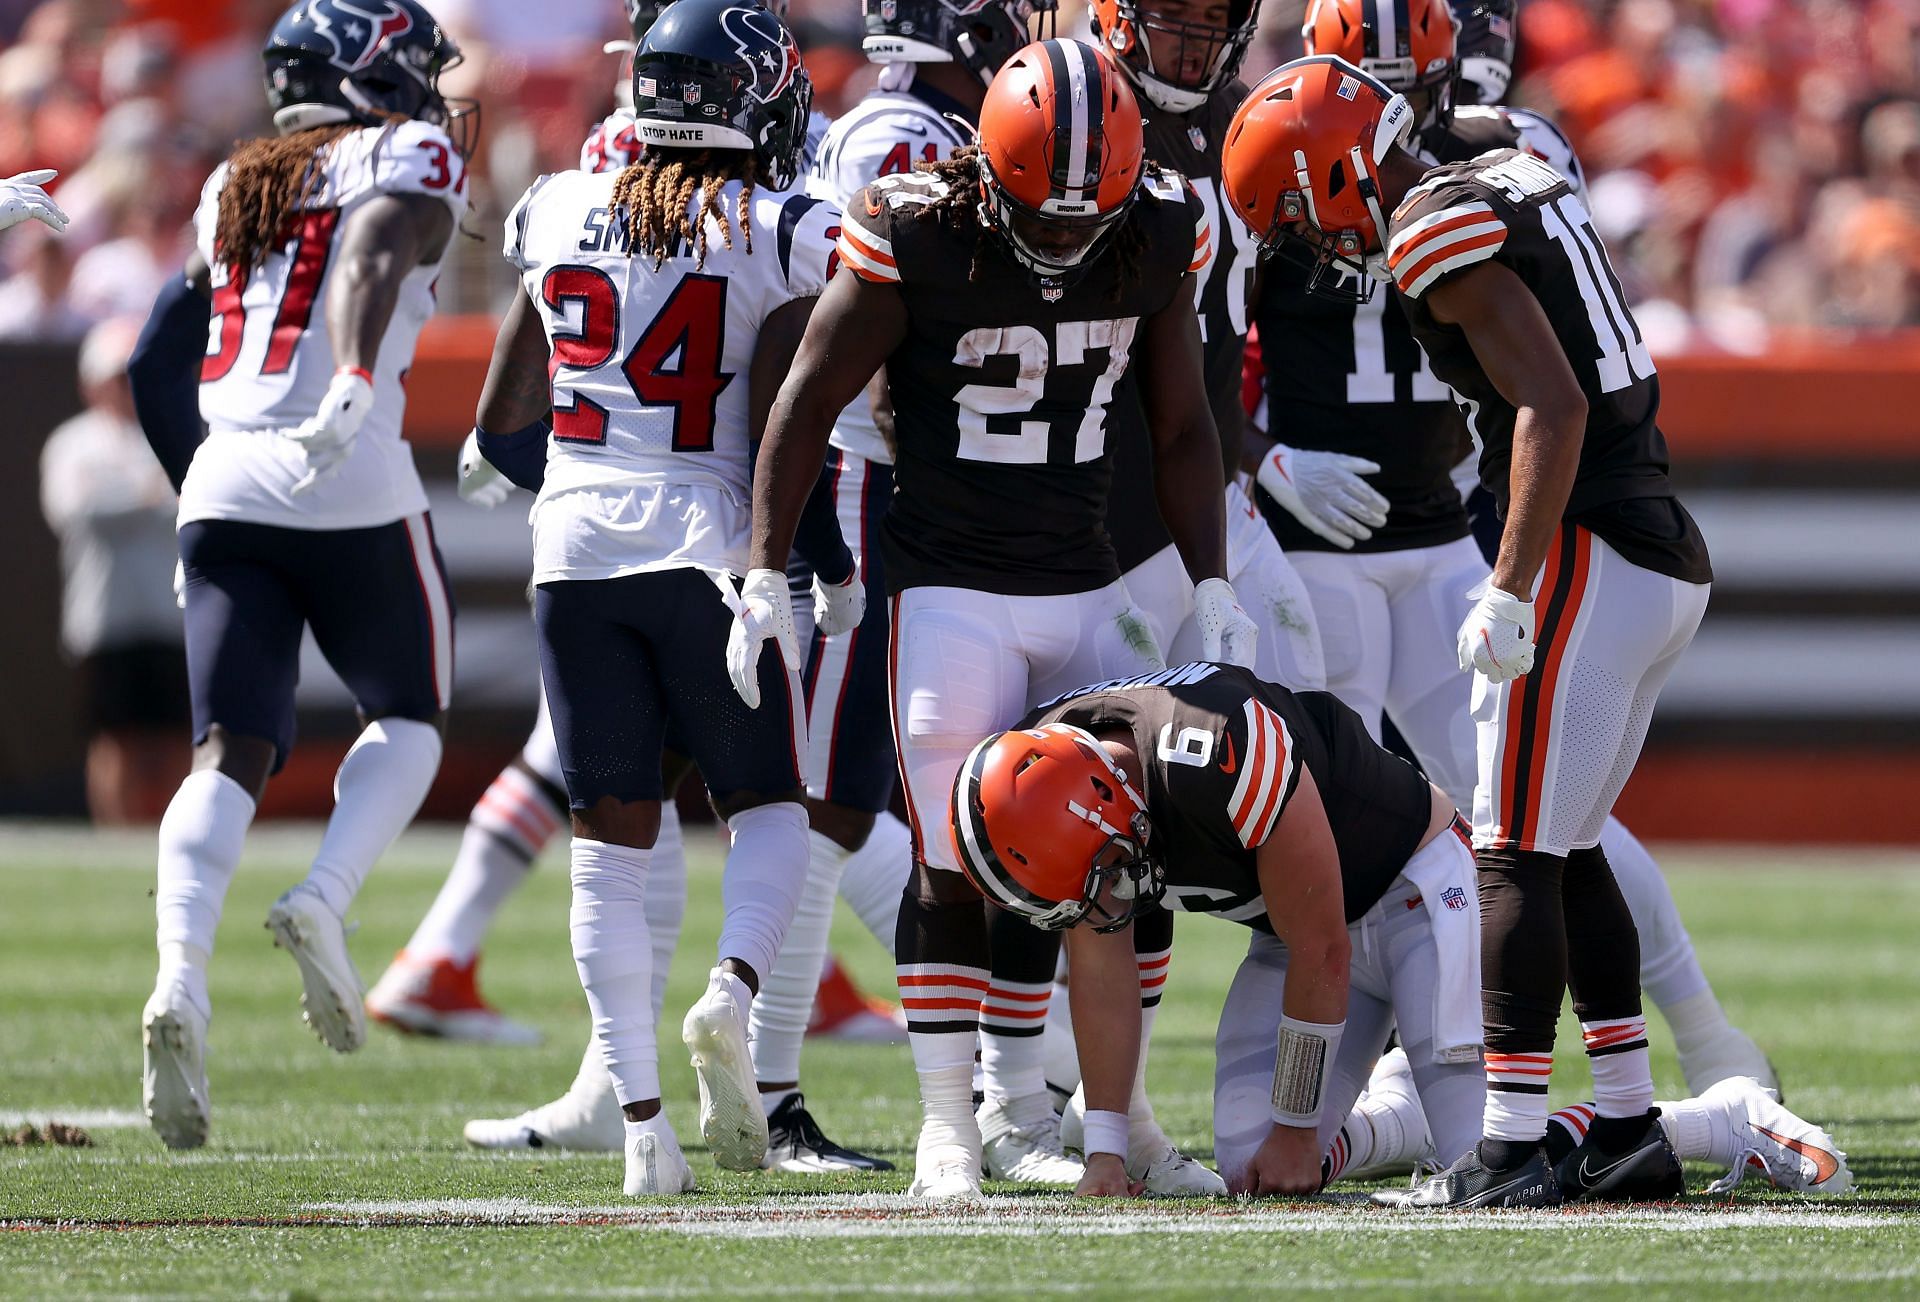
{"x":605,"y":230}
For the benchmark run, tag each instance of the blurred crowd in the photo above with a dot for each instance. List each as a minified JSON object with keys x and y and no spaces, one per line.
{"x":1755,"y":164}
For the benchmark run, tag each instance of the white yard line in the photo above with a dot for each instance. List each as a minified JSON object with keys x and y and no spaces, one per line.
{"x":90,"y":1118}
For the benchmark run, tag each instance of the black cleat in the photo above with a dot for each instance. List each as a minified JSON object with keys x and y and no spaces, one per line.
{"x":1468,"y":1185}
{"x":1649,"y":1171}
{"x":796,"y":1143}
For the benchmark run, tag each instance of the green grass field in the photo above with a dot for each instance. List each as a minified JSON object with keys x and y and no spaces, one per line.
{"x":346,"y":1177}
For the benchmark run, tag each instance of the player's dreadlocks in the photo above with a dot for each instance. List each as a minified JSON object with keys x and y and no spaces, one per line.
{"x":657,"y":194}
{"x":268,"y":182}
{"x":960,"y":205}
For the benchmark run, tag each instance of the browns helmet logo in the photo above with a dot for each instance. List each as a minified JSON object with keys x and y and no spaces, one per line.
{"x":765,"y":46}
{"x":358,"y":32}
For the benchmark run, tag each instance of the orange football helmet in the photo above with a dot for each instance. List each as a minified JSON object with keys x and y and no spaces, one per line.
{"x":1301,"y":166}
{"x":1046,"y":825}
{"x":1408,"y":45}
{"x":1061,"y":155}
{"x":1204,"y":57}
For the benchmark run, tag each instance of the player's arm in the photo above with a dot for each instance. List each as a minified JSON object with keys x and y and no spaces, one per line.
{"x":511,"y":424}
{"x":1299,"y":870}
{"x":854,"y":329}
{"x":378,"y":247}
{"x":164,"y":370}
{"x":1186,"y":443}
{"x":1104,"y":996}
{"x":1521,"y":355}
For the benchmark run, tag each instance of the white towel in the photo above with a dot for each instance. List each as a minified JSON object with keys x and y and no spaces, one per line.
{"x":1443,"y":872}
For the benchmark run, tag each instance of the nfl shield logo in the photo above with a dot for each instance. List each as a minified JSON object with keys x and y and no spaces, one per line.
{"x":1454,"y":898}
{"x":690,"y":91}
{"x":1198,"y":138}
{"x":889,"y":10}
{"x":1051,"y":293}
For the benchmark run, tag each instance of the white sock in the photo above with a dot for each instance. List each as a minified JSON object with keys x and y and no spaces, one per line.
{"x":1669,"y":969}
{"x":376,"y":793}
{"x":1622,"y":1075}
{"x":185,"y":966}
{"x":1060,"y":1054}
{"x":946,"y":1102}
{"x":201,"y":837}
{"x":614,"y":956}
{"x":760,"y":889}
{"x":1011,"y":1066}
{"x":1699,"y":1132}
{"x":875,"y":876}
{"x":506,"y":832}
{"x":666,"y":901}
{"x":770,"y":1100}
{"x":785,"y":1004}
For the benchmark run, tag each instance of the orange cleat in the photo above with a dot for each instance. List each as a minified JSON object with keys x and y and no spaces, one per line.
{"x":842,"y":1011}
{"x":439,"y":997}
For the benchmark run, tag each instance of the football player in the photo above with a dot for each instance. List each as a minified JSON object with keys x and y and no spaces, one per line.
{"x":1345,"y":378}
{"x":317,"y":252}
{"x":1353,"y":873}
{"x":1008,"y":294}
{"x":1509,"y":294}
{"x":667,"y":299}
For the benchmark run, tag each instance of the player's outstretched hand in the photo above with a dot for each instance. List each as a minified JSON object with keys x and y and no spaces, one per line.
{"x":327,"y":437}
{"x":1287,"y":1163}
{"x":1228,"y":634}
{"x":22,"y":199}
{"x":1497,"y":638}
{"x":762,"y":610}
{"x":839,"y":607}
{"x":479,"y":483}
{"x":1106,"y":1177}
{"x":1324,"y":491}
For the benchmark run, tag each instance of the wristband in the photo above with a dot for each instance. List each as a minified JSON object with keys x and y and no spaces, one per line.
{"x":360,"y":371}
{"x":1105,"y":1132}
{"x":1302,"y":1064}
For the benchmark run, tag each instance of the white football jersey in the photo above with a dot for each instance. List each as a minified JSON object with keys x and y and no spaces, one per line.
{"x":270,"y":356}
{"x":649,"y":466}
{"x":887,"y":132}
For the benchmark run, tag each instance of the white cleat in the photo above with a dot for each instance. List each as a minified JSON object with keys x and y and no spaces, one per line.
{"x":306,"y":928}
{"x":1728,"y":1055}
{"x":946,"y":1165}
{"x":1021,"y":1142}
{"x":1791,"y":1153}
{"x":1391,"y":1090}
{"x":655,"y":1165}
{"x":731,"y":1119}
{"x":569,"y":1122}
{"x":173,"y":1079}
{"x":1170,"y":1173}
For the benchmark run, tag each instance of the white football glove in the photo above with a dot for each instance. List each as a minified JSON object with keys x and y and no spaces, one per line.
{"x":180,"y":584}
{"x":1324,"y":492}
{"x":327,"y":437}
{"x":1497,"y":638}
{"x":22,"y":199}
{"x":1227,"y":634}
{"x":479,"y":483}
{"x":839,"y":607}
{"x":762,"y":610}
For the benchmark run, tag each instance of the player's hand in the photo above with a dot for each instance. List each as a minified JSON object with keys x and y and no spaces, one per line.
{"x":480,"y":484}
{"x":763,"y":610}
{"x":1287,"y":1163}
{"x":327,"y":437}
{"x":839,"y":607}
{"x":1325,"y":492}
{"x":1497,"y":638}
{"x":1106,"y":1177}
{"x":1228,"y":634}
{"x":22,"y":199}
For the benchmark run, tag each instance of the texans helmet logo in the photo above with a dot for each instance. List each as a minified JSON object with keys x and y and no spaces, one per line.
{"x":763,"y":42}
{"x":359,"y":32}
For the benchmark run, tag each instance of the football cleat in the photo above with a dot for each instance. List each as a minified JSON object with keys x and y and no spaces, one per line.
{"x":1021,"y":1142}
{"x":796,"y":1143}
{"x":655,"y":1164}
{"x":1467,"y":1185}
{"x":946,"y":1164}
{"x":1731,"y":1054}
{"x":731,"y":1118}
{"x":1647,"y":1172}
{"x":306,"y":928}
{"x":1171,"y":1173}
{"x":173,"y":1078}
{"x":439,"y":997}
{"x":1392,"y":1106}
{"x":842,"y":1011}
{"x":579,"y":1125}
{"x":1792,"y":1154}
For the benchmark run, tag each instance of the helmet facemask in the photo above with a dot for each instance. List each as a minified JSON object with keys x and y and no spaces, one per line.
{"x":1051,"y":269}
{"x":1218,"y":51}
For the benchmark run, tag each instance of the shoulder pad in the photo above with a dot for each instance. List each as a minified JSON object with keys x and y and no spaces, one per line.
{"x":1444,"y":226}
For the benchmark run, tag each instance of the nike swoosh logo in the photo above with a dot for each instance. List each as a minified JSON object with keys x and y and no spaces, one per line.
{"x":1824,"y":1165}
{"x":1230,"y":763}
{"x":914,"y":128}
{"x":1591,"y":1177}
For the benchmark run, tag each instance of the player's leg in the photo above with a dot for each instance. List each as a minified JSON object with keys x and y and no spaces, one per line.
{"x":849,"y":771}
{"x":958,"y":672}
{"x":1162,"y":593}
{"x":1428,"y":698}
{"x":609,"y":720}
{"x":751,"y":761}
{"x":1351,"y":612}
{"x":431,"y":986}
{"x":243,"y":648}
{"x":382,"y":614}
{"x":1290,"y":651}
